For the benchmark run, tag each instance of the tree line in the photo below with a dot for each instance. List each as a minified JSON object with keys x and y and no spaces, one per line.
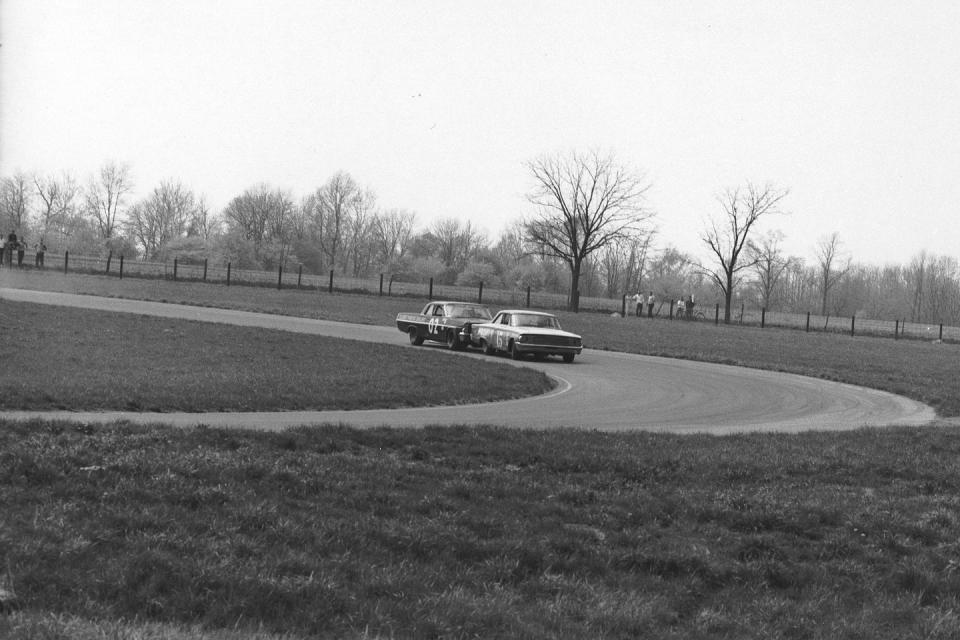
{"x":589,"y":232}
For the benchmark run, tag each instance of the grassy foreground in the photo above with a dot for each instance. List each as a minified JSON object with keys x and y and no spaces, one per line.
{"x":144,"y":532}
{"x":479,"y":533}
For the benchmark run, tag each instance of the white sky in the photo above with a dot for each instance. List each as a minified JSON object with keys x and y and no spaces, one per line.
{"x":853,"y":106}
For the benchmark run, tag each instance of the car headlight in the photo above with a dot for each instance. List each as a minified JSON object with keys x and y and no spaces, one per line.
{"x":521,"y":338}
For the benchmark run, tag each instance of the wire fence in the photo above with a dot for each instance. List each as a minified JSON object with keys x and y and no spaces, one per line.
{"x":389,"y":285}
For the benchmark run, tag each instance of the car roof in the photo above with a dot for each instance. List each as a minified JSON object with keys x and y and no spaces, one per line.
{"x":472,"y":304}
{"x":527,"y":312}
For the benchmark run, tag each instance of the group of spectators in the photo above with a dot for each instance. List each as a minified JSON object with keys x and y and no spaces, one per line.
{"x":684,"y":305}
{"x":13,"y":245}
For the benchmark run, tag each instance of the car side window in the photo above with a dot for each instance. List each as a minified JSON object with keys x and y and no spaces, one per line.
{"x":505,"y":319}
{"x":438,"y":310}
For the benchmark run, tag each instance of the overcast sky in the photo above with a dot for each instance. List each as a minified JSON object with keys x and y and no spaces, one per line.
{"x":852,"y":106}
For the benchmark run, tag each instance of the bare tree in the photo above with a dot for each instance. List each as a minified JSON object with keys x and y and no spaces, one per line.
{"x":334,"y":203}
{"x":257,"y":214}
{"x":166,"y":214}
{"x":456,"y":242}
{"x":58,"y":196}
{"x":624,"y":264}
{"x":769,"y":264}
{"x":106,"y":195}
{"x":15,"y":195}
{"x":392,"y":230}
{"x":832,"y":267}
{"x":584,"y":202}
{"x":727,"y":237}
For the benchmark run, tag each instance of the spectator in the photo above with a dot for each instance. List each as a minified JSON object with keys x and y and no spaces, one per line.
{"x":638,"y":299}
{"x":11,"y":247}
{"x":40,"y":248}
{"x":21,"y":249}
{"x":650,"y":301}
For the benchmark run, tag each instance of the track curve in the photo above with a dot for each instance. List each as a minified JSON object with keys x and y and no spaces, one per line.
{"x":603,"y":390}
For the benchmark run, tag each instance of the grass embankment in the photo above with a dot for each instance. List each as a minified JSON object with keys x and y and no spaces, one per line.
{"x":78,"y":359}
{"x":479,"y":533}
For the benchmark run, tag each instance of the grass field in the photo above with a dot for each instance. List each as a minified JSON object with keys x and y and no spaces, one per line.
{"x":123,"y":531}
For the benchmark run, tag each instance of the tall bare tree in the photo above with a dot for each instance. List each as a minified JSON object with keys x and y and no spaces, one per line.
{"x":456,"y":242}
{"x":15,"y":193}
{"x":166,"y":214}
{"x":334,"y":203}
{"x":769,"y":264}
{"x":584,"y":202}
{"x":58,"y":197}
{"x":832,"y":266}
{"x":259,"y":214}
{"x":106,"y":195}
{"x":727,"y":236}
{"x":392,"y":230}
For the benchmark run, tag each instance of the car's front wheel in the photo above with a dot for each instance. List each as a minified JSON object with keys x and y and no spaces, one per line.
{"x":415,"y":338}
{"x":568,"y":358}
{"x":515,"y":353}
{"x":453,"y":341}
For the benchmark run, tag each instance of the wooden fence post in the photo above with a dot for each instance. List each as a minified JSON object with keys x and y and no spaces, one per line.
{"x":528,"y":297}
{"x":280,"y":276}
{"x":896,"y":330}
{"x":66,"y":261}
{"x":853,"y":325}
{"x":330,"y":284}
{"x":381,"y":284}
{"x":174,"y":269}
{"x":480,"y":294}
{"x":228,"y":273}
{"x":941,"y":333}
{"x":716,"y":315}
{"x":109,"y":259}
{"x":299,"y":275}
{"x":623,"y":306}
{"x":205,"y":269}
{"x":808,"y":322}
{"x":121,"y":266}
{"x":430,"y":294}
{"x":763,"y":318}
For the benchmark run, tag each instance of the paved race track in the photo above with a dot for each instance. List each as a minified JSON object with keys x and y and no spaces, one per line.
{"x":601,"y":390}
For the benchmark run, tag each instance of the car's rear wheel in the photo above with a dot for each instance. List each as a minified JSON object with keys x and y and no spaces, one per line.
{"x":415,"y":338}
{"x":568,"y":358}
{"x":515,"y":353}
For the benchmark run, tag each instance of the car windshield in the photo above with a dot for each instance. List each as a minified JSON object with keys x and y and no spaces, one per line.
{"x":468,"y":311}
{"x":535,"y":320}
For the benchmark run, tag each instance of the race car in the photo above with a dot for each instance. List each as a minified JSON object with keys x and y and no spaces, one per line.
{"x":447,"y":322}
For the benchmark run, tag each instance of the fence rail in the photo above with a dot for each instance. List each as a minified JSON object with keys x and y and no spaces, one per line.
{"x":384,"y":284}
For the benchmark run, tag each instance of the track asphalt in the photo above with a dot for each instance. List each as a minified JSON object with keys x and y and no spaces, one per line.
{"x":602,"y":390}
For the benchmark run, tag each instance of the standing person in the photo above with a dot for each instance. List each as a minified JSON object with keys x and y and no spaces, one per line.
{"x":650,"y":301}
{"x":21,"y":249}
{"x":11,"y":247}
{"x":3,"y":250}
{"x":638,"y":299}
{"x":40,"y":248}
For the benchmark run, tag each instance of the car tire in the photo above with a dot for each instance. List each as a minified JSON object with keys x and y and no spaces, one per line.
{"x":568,"y":358}
{"x":415,"y":338}
{"x":487,"y":348}
{"x":515,"y":353}
{"x":453,"y":341}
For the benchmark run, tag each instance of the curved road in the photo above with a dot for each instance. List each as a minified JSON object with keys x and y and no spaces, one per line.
{"x":601,"y":390}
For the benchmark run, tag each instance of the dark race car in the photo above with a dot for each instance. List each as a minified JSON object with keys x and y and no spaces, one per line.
{"x":447,"y":322}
